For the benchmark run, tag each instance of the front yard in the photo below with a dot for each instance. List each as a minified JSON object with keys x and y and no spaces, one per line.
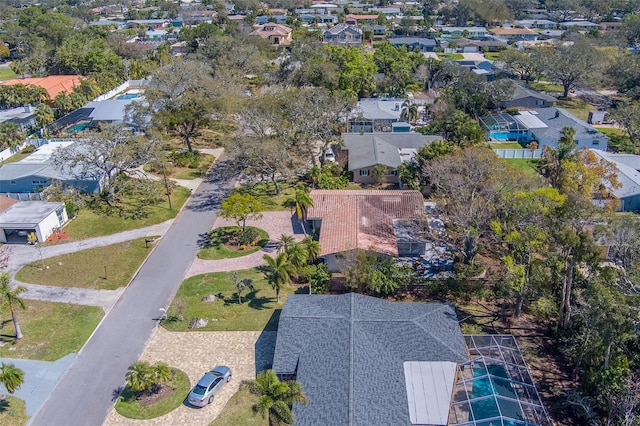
{"x":100,"y":268}
{"x":258,"y":311}
{"x":51,"y":330}
{"x":221,"y":244}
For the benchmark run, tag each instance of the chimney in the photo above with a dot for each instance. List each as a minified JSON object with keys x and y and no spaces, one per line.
{"x":397,"y":106}
{"x":557,"y":114}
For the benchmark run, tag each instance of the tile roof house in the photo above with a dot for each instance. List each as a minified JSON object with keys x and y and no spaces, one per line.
{"x":343,"y":35}
{"x":53,"y":84}
{"x":367,"y":361}
{"x":514,"y":34}
{"x":367,"y":150}
{"x":277,"y":34}
{"x":373,"y":220}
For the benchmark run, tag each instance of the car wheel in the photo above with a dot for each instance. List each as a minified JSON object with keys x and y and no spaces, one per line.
{"x":210,"y":399}
{"x":229,"y":378}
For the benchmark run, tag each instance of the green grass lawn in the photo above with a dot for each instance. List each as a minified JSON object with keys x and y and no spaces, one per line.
{"x":15,"y":158}
{"x":505,"y":145}
{"x":527,"y":166}
{"x":543,"y":86}
{"x":6,"y":74}
{"x":612,"y":131}
{"x":189,"y":174}
{"x":128,"y":406}
{"x":492,"y":56}
{"x":450,"y":56}
{"x":90,"y":224}
{"x":13,"y":411}
{"x":577,"y":107}
{"x":266,"y":194}
{"x":86,"y":268}
{"x":259,"y":310}
{"x":239,"y":410}
{"x":51,"y":330}
{"x":217,"y":250}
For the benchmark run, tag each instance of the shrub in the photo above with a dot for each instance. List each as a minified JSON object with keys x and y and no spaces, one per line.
{"x":247,"y":236}
{"x":28,"y":149}
{"x":190,"y":159}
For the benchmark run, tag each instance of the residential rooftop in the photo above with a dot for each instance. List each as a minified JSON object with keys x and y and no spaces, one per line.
{"x":27,"y":214}
{"x":53,"y":84}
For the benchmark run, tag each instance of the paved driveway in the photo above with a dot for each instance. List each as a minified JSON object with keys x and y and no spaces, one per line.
{"x":196,"y":352}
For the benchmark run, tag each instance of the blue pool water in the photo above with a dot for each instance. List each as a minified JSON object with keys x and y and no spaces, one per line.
{"x":497,"y":385}
{"x":504,"y":136}
{"x":77,"y":128}
{"x":128,"y":96}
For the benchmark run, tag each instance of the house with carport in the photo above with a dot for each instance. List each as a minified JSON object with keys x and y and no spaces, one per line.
{"x":26,"y":217}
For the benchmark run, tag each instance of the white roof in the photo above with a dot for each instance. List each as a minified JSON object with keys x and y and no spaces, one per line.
{"x":43,"y":154}
{"x":429,"y":390}
{"x":27,"y":214}
{"x":529,"y":120}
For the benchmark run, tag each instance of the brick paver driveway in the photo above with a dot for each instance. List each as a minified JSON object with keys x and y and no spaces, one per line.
{"x":245,"y":352}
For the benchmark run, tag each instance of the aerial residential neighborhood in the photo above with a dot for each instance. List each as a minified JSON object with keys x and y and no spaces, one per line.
{"x":353,"y":213}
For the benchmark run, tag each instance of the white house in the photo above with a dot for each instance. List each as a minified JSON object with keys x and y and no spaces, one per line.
{"x":25,"y":217}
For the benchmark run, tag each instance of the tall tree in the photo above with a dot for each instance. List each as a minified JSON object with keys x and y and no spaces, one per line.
{"x":568,"y":64}
{"x":10,"y":298}
{"x":241,"y":207}
{"x":106,"y":154}
{"x":278,"y":272}
{"x":10,"y":135}
{"x":277,"y":397}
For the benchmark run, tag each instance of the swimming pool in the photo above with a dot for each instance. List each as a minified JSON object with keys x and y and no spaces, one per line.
{"x":77,"y":128}
{"x":504,"y":136}
{"x":128,"y":96}
{"x":492,"y":381}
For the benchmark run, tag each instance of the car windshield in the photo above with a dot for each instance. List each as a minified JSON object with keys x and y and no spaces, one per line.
{"x":199,"y":390}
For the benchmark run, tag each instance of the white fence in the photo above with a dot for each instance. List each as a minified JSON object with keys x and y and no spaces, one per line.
{"x":528,"y":154}
{"x":111,"y":93}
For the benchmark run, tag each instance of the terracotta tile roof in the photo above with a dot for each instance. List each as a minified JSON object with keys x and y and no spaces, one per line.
{"x":53,"y":84}
{"x":512,"y":31}
{"x":362,"y":17}
{"x":270,"y":29}
{"x":362,"y":219}
{"x":6,"y":202}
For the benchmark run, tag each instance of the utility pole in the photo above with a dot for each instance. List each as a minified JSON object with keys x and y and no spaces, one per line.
{"x":166,"y":185}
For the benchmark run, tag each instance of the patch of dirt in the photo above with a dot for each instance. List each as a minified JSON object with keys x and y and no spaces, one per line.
{"x":58,"y":236}
{"x":149,"y":398}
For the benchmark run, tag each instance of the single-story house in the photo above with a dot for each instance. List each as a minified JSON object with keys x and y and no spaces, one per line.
{"x":628,"y":176}
{"x":353,"y":19}
{"x":277,"y":34}
{"x":367,"y":150}
{"x":610,"y":26}
{"x":372,"y":220}
{"x":53,"y":84}
{"x":368,"y":361}
{"x":486,"y":44}
{"x":36,"y":171}
{"x":526,"y":97}
{"x":514,"y":34}
{"x":469,"y":32}
{"x":265,"y":19}
{"x":23,"y":117}
{"x":25,"y":217}
{"x":415,"y":43}
{"x":543,"y":125}
{"x":343,"y":35}
{"x":583,"y":25}
{"x":536,"y":23}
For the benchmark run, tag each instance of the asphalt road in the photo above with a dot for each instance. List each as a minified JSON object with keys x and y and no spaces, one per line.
{"x":87,"y":392}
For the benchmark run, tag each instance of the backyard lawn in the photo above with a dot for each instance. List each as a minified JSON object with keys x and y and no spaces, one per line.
{"x":87,"y":268}
{"x":505,"y":145}
{"x":216,"y":248}
{"x":239,"y":410}
{"x":128,"y":406}
{"x":259,"y":310}
{"x":450,"y":56}
{"x":527,"y":166}
{"x":543,"y":86}
{"x":90,"y":224}
{"x":51,"y":330}
{"x":13,"y":411}
{"x":577,"y":107}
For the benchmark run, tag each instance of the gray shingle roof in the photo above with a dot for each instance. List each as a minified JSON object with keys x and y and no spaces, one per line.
{"x":348,"y":352}
{"x":521,"y":92}
{"x":369,"y":149}
{"x":564,"y":119}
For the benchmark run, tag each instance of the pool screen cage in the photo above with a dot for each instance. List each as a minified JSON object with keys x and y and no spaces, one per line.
{"x":494,"y":388}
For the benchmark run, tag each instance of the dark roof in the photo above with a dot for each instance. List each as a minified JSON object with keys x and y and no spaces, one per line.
{"x":521,"y":92}
{"x":369,"y":149}
{"x":348,"y":351}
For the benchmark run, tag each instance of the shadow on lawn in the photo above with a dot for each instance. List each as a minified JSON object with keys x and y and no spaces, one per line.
{"x":266,"y":344}
{"x":250,"y":299}
{"x":4,"y":406}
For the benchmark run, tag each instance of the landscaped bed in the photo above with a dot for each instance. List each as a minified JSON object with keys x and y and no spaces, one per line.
{"x":259,"y":310}
{"x":150,"y":405}
{"x":13,"y":411}
{"x":224,"y":243}
{"x":90,"y":223}
{"x":51,"y":330}
{"x":100,"y":268}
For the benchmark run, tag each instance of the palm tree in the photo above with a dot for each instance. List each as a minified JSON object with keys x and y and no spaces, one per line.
{"x":161,"y":373}
{"x":297,"y":255}
{"x":313,"y":249}
{"x":553,"y":160}
{"x":10,"y":135}
{"x":303,"y":201}
{"x":278,"y":272}
{"x":409,"y":112}
{"x":139,"y":375}
{"x":11,"y":377}
{"x":276,"y":397}
{"x":43,"y":115}
{"x":284,"y":243}
{"x":11,"y":299}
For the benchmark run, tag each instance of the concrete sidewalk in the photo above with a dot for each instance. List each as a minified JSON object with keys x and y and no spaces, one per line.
{"x":105,"y":299}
